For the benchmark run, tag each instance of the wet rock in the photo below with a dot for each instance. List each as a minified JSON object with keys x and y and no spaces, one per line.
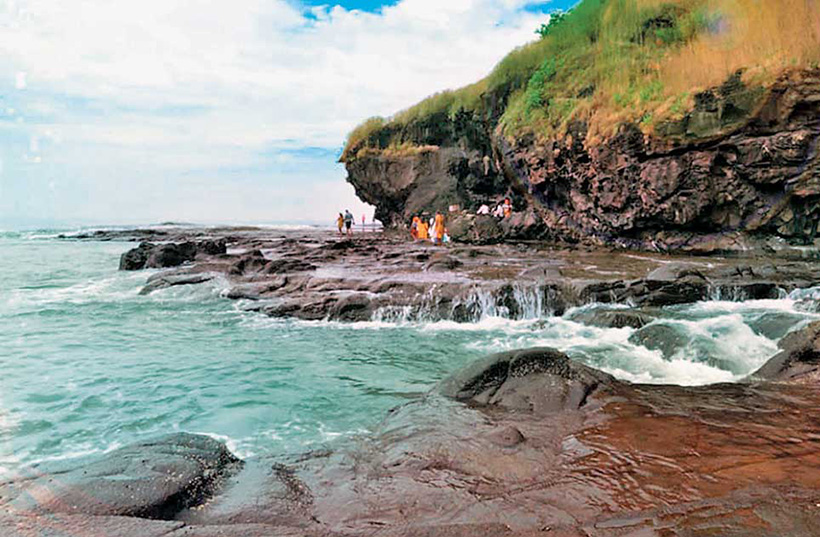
{"x":154,"y":479}
{"x":799,"y":357}
{"x":253,"y":261}
{"x":136,"y":258}
{"x":612,"y":318}
{"x":658,"y":294}
{"x":749,"y":291}
{"x":353,"y":308}
{"x":255,"y":291}
{"x":148,"y":255}
{"x":164,"y":281}
{"x":538,"y":380}
{"x":661,"y":337}
{"x":775,"y":325}
{"x":171,"y":255}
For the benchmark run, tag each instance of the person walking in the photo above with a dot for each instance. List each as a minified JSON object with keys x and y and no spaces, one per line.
{"x":439,"y":229}
{"x":414,"y":228}
{"x":340,"y":223}
{"x":349,"y":222}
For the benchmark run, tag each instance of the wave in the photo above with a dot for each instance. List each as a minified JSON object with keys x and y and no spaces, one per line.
{"x":697,"y":344}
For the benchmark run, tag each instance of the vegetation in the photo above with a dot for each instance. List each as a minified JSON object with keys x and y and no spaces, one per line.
{"x":612,"y":61}
{"x":556,"y":18}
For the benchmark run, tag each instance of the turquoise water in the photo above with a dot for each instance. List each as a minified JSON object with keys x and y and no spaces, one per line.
{"x":88,"y":364}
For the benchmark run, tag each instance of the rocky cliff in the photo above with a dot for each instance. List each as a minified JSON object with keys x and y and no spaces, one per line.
{"x":742,"y":166}
{"x":684,"y":125}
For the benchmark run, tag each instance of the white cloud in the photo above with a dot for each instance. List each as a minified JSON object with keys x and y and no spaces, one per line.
{"x":202,"y":79}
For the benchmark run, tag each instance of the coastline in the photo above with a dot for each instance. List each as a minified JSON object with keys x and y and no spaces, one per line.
{"x":524,"y":443}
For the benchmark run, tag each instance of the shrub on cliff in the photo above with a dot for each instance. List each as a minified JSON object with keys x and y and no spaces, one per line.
{"x":613,"y":61}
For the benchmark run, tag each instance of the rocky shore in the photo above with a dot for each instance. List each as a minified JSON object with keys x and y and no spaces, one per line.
{"x":316,"y":275}
{"x":522,"y":444}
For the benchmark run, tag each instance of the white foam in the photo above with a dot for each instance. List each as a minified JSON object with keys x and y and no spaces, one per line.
{"x":240,"y":448}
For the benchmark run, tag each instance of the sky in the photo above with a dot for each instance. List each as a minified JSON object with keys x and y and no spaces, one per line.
{"x":217,"y":111}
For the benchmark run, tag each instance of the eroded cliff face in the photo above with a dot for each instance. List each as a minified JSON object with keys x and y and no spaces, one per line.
{"x":741,"y":169}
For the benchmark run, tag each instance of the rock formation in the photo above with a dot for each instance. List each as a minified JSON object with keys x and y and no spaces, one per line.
{"x":740,"y":167}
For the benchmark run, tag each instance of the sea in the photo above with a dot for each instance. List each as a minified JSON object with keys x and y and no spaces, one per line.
{"x":87,"y":364}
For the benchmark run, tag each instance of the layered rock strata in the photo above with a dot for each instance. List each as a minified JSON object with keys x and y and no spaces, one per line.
{"x":741,"y":168}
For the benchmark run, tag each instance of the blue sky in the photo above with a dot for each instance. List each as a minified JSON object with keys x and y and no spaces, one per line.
{"x":206,"y":111}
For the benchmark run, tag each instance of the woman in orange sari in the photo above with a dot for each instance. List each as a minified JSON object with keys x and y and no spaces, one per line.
{"x":424,"y":233}
{"x":414,"y":228}
{"x":439,"y":238}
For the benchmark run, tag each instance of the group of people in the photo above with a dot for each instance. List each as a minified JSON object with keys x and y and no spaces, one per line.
{"x":502,"y":210}
{"x":421,"y":229}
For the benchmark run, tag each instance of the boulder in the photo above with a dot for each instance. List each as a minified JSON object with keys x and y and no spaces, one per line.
{"x":661,"y":337}
{"x":799,"y":357}
{"x":620,"y":318}
{"x":353,"y":308}
{"x":171,"y":255}
{"x":153,"y":479}
{"x":136,"y":258}
{"x":541,"y":380}
{"x":148,"y":255}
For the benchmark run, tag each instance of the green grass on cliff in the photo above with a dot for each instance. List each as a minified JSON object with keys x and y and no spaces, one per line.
{"x":614,"y":61}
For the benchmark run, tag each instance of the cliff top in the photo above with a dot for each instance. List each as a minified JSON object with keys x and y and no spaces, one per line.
{"x":609,"y":62}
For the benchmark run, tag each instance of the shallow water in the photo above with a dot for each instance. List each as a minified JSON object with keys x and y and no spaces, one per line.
{"x":89,"y":364}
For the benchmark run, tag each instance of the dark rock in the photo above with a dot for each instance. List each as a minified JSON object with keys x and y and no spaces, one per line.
{"x":255,"y":291}
{"x":213,"y":247}
{"x":253,"y":261}
{"x":538,"y":380}
{"x":670,"y":294}
{"x":171,"y":255}
{"x":164,"y":281}
{"x":799,"y":357}
{"x":353,"y":308}
{"x":345,"y":244}
{"x":475,"y":229}
{"x":621,"y":318}
{"x":775,"y":325}
{"x":661,"y":337}
{"x":136,"y":258}
{"x":154,"y":479}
